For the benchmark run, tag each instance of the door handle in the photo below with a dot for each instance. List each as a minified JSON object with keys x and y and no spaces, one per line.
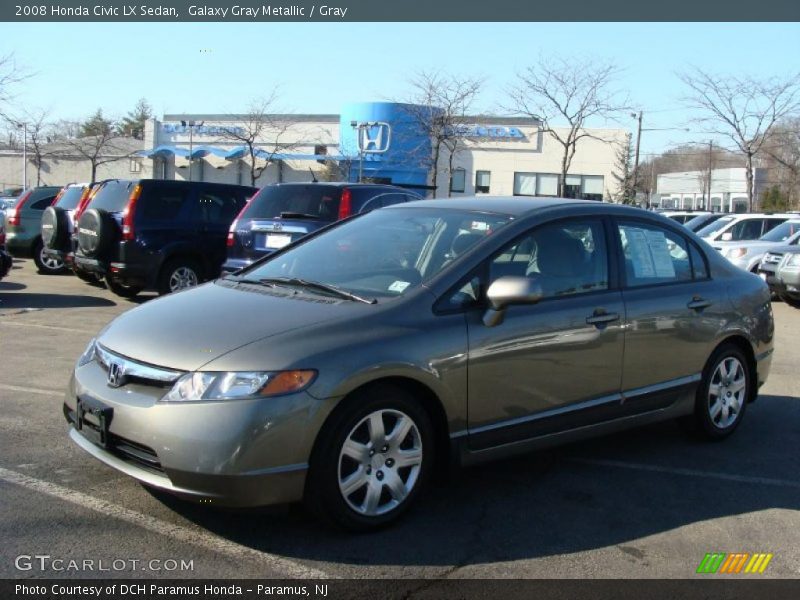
{"x":698,"y":303}
{"x":600,"y":317}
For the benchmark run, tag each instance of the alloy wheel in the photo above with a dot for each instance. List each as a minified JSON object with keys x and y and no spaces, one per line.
{"x":727,"y":392}
{"x":380,"y":462}
{"x":50,"y":263}
{"x":182,"y":278}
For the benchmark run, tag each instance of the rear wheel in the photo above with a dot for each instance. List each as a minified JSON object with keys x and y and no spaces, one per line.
{"x":47,"y":265}
{"x":723,"y":394}
{"x":371,"y":461}
{"x":121,"y":289}
{"x":178,"y":274}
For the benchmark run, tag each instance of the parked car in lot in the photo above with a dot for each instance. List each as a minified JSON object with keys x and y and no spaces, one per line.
{"x":682,"y":216}
{"x":156,"y":234}
{"x":23,"y":228}
{"x":741,"y":226}
{"x":697,"y":223}
{"x":58,"y":221}
{"x":343,"y":368}
{"x":747,"y":255}
{"x":787,"y":276}
{"x":284,"y":212}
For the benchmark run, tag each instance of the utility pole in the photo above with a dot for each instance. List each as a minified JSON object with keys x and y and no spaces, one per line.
{"x":636,"y":159}
{"x":710,"y":170}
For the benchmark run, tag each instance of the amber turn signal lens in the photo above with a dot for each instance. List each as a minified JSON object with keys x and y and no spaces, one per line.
{"x":288,"y":381}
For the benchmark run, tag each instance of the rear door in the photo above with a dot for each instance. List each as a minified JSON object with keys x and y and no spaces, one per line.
{"x":216,"y":209}
{"x":674,"y":311}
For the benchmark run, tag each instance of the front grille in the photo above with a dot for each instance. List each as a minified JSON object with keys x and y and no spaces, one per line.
{"x":136,"y":371}
{"x":133,"y":452}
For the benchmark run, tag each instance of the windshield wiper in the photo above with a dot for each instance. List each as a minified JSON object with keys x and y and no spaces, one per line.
{"x":298,"y":215}
{"x":315,"y":285}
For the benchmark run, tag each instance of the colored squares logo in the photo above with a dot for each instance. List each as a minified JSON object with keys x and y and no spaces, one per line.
{"x":737,"y":562}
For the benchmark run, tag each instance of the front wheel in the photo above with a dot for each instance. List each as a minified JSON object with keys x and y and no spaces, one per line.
{"x":723,"y":394}
{"x":47,"y":265}
{"x":372,"y":460}
{"x":178,"y":274}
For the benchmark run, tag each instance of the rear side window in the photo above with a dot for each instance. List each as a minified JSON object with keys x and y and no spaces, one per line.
{"x":699,"y":267}
{"x":161,"y":203}
{"x":219,"y":207}
{"x":311,"y":201}
{"x":43,"y":203}
{"x":113,"y":196}
{"x":653,"y":254}
{"x":749,"y":229}
{"x":70,"y":198}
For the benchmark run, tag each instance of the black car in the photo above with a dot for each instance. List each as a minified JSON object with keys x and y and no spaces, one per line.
{"x":157,"y":234}
{"x":284,"y":212}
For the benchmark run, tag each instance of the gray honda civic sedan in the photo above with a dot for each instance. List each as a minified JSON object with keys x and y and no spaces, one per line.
{"x":344,"y":368}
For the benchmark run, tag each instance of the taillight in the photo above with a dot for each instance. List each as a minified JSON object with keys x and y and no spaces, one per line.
{"x":127,"y":216}
{"x":231,"y":235}
{"x":86,"y":196}
{"x":58,"y":197}
{"x":346,"y":204}
{"x":13,"y":215}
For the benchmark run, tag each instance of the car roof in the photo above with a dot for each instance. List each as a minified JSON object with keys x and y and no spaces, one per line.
{"x":342,"y":184}
{"x":516,"y":206}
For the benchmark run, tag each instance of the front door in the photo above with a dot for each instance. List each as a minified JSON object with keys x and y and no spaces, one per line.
{"x":556,"y":364}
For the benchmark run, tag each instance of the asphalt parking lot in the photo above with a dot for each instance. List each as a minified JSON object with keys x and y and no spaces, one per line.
{"x":645,"y":504}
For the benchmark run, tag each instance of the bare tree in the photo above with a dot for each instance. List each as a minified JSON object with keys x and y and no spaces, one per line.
{"x":438,"y":105}
{"x":782,"y":150}
{"x":743,"y":110}
{"x":98,"y":141}
{"x":262,"y":133}
{"x":561,"y":95}
{"x":10,"y":74}
{"x":38,"y":137}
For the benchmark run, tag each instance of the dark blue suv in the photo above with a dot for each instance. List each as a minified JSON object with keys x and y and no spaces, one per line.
{"x":284,"y":212}
{"x":157,"y":234}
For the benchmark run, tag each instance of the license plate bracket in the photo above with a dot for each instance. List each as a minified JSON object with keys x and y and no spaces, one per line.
{"x":92,"y":419}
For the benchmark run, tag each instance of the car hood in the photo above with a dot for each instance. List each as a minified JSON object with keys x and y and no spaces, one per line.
{"x":186,"y":330}
{"x":751,"y":245}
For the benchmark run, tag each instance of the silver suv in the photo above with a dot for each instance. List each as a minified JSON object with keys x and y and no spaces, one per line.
{"x":747,"y":254}
{"x":739,"y":227}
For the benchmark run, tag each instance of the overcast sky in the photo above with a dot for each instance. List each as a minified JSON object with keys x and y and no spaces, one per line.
{"x":214,"y":68}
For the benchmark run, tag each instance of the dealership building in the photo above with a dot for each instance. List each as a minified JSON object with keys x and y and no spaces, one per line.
{"x":373,"y":141}
{"x":380,"y":142}
{"x":688,"y":189}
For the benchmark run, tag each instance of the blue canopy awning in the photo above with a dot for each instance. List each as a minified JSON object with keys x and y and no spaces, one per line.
{"x":164,"y":151}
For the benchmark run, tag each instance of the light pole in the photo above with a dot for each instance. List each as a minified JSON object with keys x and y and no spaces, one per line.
{"x":24,"y":127}
{"x":191,"y":125}
{"x":358,"y":127}
{"x":639,"y":131}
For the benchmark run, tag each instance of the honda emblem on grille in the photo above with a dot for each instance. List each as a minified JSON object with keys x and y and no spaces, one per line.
{"x":277,"y":226}
{"x":116,"y":375}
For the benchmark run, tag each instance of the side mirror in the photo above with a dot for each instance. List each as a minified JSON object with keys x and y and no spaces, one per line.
{"x":726,"y":237}
{"x":507,"y":291}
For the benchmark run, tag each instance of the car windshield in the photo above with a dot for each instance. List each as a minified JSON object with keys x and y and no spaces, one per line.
{"x":782,"y":232}
{"x":70,"y":198}
{"x":384,"y":253}
{"x":313,"y":200}
{"x":694,"y":222}
{"x":712,"y":228}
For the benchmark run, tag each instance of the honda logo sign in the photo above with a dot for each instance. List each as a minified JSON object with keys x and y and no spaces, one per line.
{"x":374,"y":137}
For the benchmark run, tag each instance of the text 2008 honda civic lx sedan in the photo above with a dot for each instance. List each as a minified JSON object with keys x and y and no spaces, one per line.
{"x":344,"y":367}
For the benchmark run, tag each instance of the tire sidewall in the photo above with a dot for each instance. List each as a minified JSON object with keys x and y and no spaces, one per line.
{"x":322,"y":492}
{"x":702,"y":416}
{"x":170,"y":267}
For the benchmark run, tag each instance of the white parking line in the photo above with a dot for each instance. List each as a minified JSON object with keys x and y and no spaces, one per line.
{"x":687,"y":472}
{"x":30,"y":390}
{"x":282,"y":566}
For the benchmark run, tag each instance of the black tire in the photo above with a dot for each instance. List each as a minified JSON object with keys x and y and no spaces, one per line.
{"x":703,"y":423}
{"x":55,"y":228}
{"x":122,"y":290}
{"x":793,"y":302}
{"x":328,"y":463}
{"x":97,"y":230}
{"x":184,"y":269}
{"x":45,"y":264}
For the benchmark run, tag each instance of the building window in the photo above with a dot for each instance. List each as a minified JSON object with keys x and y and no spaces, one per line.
{"x":458,"y":180}
{"x":483,"y":181}
{"x":524,"y":184}
{"x":136,"y":166}
{"x":535,"y":184}
{"x":592,"y":187}
{"x":321,"y":150}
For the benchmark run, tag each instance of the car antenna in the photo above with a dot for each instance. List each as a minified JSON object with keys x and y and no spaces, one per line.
{"x":313,"y":177}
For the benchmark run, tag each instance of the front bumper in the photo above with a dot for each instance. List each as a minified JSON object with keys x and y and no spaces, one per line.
{"x":228,"y":453}
{"x":787,"y":281}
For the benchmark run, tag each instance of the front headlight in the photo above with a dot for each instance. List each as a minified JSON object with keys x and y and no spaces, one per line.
{"x":735,"y":252}
{"x":792,"y":261}
{"x":88,"y":354}
{"x":234,"y":385}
